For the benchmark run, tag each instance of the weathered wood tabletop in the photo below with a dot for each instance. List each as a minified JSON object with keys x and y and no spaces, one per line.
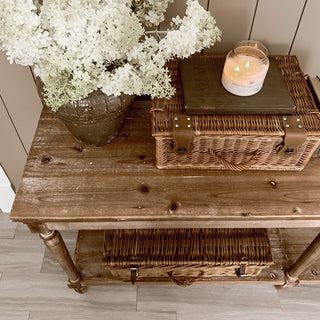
{"x":67,"y":185}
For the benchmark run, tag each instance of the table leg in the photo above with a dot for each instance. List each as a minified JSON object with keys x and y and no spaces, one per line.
{"x":308,"y":257}
{"x":55,"y":243}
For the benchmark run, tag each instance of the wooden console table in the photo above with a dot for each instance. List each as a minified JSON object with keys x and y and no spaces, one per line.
{"x":68,"y":186}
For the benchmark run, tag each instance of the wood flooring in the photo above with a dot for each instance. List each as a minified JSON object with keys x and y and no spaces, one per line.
{"x":32,"y":287}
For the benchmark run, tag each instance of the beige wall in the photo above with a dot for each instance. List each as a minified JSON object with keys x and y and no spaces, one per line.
{"x":234,"y":18}
{"x":284,"y":26}
{"x":276,"y":22}
{"x":307,"y":42}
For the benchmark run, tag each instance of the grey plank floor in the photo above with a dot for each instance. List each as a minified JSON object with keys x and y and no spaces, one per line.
{"x":32,"y":287}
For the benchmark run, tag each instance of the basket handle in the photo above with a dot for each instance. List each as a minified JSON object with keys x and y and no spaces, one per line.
{"x":245,"y":165}
{"x":184,"y":282}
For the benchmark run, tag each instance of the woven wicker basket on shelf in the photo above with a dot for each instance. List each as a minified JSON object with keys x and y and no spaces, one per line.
{"x":185,"y":255}
{"x":236,"y":142}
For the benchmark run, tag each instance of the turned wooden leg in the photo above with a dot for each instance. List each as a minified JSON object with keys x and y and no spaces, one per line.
{"x":55,"y":243}
{"x":308,"y":257}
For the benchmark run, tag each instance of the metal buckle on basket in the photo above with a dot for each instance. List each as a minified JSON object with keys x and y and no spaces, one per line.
{"x":182,"y":134}
{"x":241,"y":271}
{"x":295,"y":136}
{"x":134,"y":274}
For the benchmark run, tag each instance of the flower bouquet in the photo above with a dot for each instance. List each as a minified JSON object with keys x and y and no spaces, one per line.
{"x":79,"y":47}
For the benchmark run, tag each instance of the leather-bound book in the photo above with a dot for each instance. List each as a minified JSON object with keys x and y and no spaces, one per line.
{"x":204,"y":93}
{"x":314,"y":85}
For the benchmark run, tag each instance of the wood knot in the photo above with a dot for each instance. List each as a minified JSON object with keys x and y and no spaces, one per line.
{"x":273,"y":183}
{"x":297,"y":210}
{"x":246,"y":214}
{"x":126,"y":135}
{"x":144,"y":189}
{"x":78,"y":148}
{"x":174,"y":206}
{"x":142,"y":157}
{"x":45,"y":159}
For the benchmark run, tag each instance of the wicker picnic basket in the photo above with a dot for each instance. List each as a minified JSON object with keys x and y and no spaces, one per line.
{"x":238,"y":142}
{"x":185,"y":255}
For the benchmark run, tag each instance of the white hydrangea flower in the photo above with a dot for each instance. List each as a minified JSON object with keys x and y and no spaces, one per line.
{"x":195,"y":31}
{"x":151,"y":12}
{"x":78,"y":46}
{"x":21,"y":34}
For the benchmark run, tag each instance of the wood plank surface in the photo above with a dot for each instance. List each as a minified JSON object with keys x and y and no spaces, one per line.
{"x":89,"y":260}
{"x":65,"y":182}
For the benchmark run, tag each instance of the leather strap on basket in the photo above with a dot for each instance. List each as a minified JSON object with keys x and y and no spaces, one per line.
{"x":295,"y":136}
{"x":182,"y":134}
{"x":184,"y":282}
{"x":236,"y":166}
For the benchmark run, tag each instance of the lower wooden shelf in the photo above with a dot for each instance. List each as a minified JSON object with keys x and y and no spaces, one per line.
{"x":287,"y":245}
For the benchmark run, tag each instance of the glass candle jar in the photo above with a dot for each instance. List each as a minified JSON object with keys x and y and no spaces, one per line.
{"x":245,"y":68}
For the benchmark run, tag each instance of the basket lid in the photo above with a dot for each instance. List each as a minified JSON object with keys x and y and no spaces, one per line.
{"x":163,"y":110}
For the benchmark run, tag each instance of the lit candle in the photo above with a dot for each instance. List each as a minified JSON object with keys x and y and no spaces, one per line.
{"x":245,"y":68}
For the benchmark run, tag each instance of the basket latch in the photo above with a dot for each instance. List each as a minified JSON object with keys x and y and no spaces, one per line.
{"x":295,"y":136}
{"x":182,"y":134}
{"x":241,"y":271}
{"x":134,"y":274}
